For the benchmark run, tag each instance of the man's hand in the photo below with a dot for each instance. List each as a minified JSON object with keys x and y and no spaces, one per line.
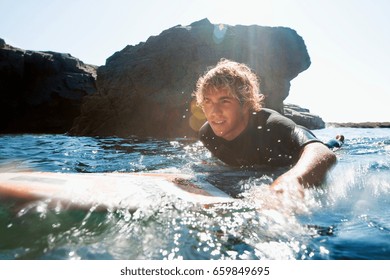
{"x":310,"y":170}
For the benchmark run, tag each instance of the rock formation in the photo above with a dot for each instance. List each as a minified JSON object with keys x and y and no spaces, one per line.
{"x":303,"y":116}
{"x":145,"y":90}
{"x":41,"y":92}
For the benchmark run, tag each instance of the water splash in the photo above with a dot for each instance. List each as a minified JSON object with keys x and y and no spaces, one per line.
{"x":347,"y":217}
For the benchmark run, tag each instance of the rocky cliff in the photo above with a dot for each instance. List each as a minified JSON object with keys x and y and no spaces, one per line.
{"x":41,"y":92}
{"x":145,"y":90}
{"x":303,"y":116}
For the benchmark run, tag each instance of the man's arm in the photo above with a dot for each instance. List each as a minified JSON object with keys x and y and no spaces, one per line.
{"x":315,"y":160}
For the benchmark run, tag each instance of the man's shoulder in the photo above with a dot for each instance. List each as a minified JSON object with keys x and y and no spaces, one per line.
{"x":269,"y":117}
{"x":205,"y":132}
{"x":205,"y":128}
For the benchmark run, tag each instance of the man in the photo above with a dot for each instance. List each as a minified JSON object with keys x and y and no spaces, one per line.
{"x":240,"y":132}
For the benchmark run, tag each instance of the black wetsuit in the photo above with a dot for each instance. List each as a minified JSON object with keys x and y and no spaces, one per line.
{"x":270,"y":139}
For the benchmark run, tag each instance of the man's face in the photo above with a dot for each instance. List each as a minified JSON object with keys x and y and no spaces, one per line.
{"x":225,"y":114}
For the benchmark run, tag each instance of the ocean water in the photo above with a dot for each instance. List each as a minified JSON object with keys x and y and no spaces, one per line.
{"x":348,"y":217}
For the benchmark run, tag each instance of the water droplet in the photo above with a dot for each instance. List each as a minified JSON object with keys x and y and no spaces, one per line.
{"x":56,"y":225}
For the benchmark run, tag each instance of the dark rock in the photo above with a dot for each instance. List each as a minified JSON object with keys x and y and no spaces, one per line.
{"x":41,"y":92}
{"x":303,"y":116}
{"x":145,"y":90}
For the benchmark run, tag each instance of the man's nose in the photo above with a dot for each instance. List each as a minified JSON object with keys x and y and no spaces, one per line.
{"x":215,"y":109}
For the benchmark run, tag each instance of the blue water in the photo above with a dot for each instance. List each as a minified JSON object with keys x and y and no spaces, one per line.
{"x":346,"y":218}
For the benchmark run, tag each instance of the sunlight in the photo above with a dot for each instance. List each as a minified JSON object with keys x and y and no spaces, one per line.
{"x":197,"y":118}
{"x":219,"y":33}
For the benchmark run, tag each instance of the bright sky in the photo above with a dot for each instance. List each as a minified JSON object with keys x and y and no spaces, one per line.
{"x":348,"y":40}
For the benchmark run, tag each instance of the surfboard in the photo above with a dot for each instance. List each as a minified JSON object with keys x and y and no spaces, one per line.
{"x":107,"y":190}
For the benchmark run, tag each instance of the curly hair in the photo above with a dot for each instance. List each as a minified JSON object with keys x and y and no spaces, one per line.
{"x":237,"y":78}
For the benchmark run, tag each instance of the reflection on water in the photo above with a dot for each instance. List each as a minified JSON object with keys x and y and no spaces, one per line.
{"x":347,"y":218}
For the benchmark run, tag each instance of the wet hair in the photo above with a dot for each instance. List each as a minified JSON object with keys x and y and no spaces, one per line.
{"x":237,"y":78}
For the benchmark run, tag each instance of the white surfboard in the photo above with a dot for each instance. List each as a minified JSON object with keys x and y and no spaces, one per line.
{"x":107,"y":190}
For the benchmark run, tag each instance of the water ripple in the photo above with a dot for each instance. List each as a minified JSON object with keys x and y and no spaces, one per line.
{"x":346,"y":218}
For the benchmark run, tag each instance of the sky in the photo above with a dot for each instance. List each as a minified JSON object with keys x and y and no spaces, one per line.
{"x":348,"y":40}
